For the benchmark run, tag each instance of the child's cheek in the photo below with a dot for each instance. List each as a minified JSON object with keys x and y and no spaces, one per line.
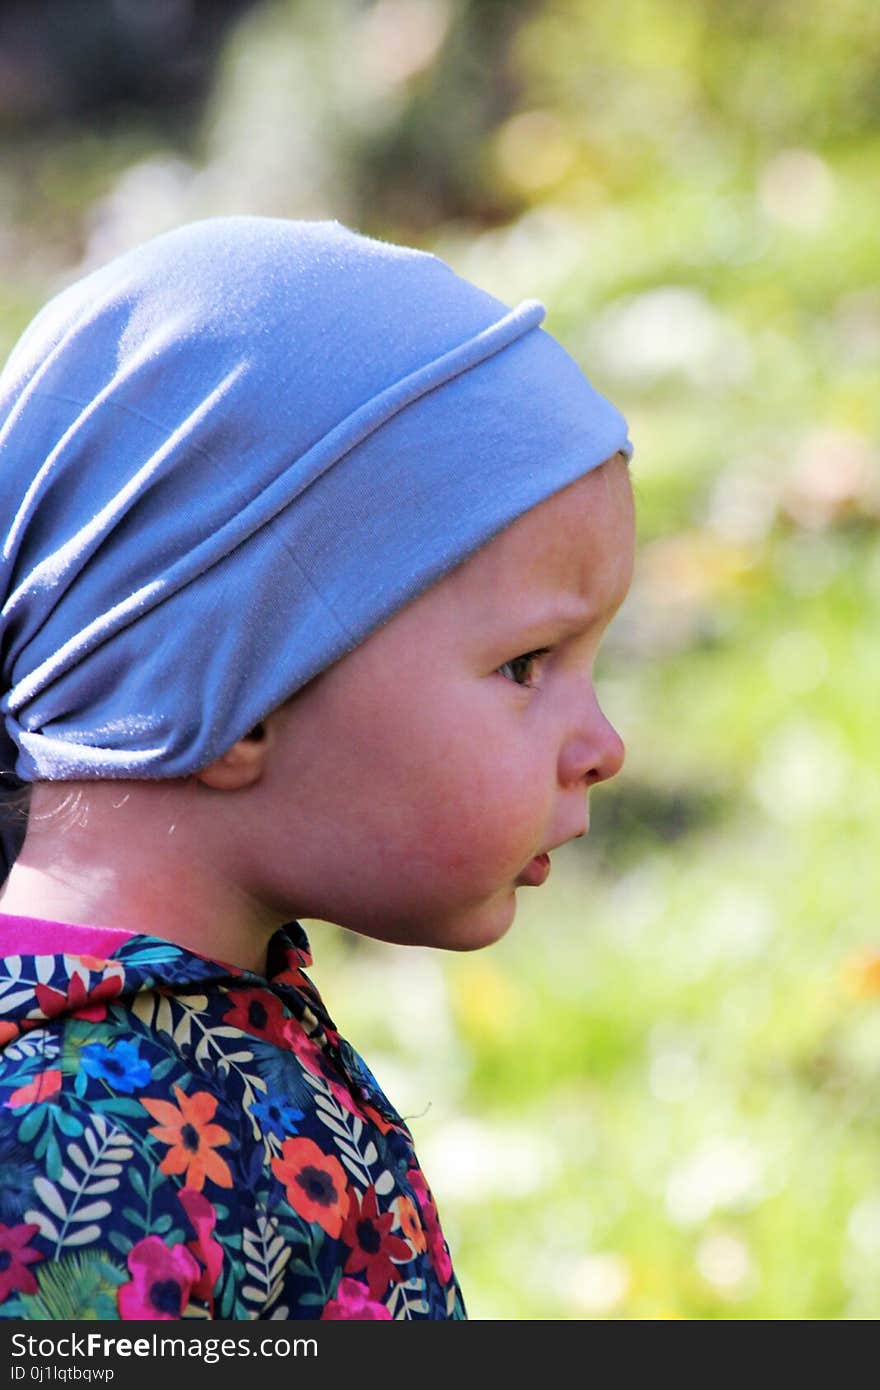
{"x":489,"y":828}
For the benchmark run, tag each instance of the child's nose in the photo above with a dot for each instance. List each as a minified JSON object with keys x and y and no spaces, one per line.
{"x":594,"y":752}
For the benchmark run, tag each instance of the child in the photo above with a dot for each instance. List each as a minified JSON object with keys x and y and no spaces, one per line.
{"x":309,"y":547}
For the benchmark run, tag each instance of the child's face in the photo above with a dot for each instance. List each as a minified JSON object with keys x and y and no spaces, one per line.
{"x":415,"y":781}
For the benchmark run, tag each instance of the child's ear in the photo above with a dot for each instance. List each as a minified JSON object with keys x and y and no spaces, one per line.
{"x":241,"y":765}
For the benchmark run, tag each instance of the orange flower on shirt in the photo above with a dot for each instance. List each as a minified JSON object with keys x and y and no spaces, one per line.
{"x":315,"y":1182}
{"x":193,"y":1139}
{"x":411,"y":1224}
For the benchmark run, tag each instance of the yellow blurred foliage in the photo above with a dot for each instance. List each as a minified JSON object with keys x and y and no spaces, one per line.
{"x":485,"y":1001}
{"x":860,"y":974}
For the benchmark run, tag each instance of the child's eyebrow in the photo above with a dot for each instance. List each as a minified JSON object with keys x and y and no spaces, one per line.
{"x":559,"y":616}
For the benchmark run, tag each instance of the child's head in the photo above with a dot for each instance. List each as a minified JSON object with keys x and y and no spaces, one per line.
{"x":456,"y":744}
{"x":255,"y":458}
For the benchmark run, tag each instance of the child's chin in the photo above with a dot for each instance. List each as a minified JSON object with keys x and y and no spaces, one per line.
{"x":482,"y":928}
{"x":468,"y":929}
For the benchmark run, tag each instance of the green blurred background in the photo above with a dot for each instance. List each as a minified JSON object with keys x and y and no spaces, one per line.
{"x":659,"y":1096}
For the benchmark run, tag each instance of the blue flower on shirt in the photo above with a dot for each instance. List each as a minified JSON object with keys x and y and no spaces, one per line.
{"x":121,"y":1066}
{"x":276,"y":1116}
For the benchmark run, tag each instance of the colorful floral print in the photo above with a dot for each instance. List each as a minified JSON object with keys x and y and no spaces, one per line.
{"x":186,"y":1128}
{"x":43,"y":1087}
{"x":257,"y":1013}
{"x":161,"y":1283}
{"x":16,"y":1255}
{"x":208,"y":1251}
{"x":121,"y":1067}
{"x":410,"y":1224}
{"x":315,"y":1182}
{"x":78,"y":998}
{"x":276,"y":1117}
{"x":353,"y":1303}
{"x":373,"y":1249}
{"x":437,"y":1247}
{"x":182,"y":1138}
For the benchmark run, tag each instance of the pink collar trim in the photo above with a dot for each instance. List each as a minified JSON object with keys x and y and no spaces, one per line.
{"x":32,"y":936}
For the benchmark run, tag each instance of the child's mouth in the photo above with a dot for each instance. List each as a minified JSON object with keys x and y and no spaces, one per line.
{"x":535,"y":872}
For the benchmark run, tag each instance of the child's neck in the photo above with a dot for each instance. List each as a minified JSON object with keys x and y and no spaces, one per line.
{"x":132,"y":855}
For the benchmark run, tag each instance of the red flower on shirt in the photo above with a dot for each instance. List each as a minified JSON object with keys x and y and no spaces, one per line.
{"x":373,"y":1248}
{"x":258,"y":1012}
{"x":15,"y":1256}
{"x":79,"y":1001}
{"x":294,"y":976}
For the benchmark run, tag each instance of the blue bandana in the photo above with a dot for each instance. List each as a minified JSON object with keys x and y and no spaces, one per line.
{"x":230,"y":455}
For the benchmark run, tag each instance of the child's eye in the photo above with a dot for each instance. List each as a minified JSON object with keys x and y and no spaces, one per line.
{"x":519,"y":670}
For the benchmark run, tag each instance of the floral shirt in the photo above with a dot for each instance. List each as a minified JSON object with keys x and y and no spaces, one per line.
{"x":181,"y":1138}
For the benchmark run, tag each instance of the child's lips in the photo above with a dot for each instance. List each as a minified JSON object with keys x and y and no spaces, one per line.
{"x":535,"y":872}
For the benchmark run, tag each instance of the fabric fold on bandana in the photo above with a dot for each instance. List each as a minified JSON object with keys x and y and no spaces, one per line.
{"x":232,"y":453}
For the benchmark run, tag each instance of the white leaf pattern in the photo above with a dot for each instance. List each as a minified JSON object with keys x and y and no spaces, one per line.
{"x":83,"y":1236}
{"x":266,"y":1257}
{"x":47,"y":1227}
{"x":45,"y":968}
{"x":11,"y":1001}
{"x":50,"y":1196}
{"x":75,"y":1153}
{"x":93,"y":1212}
{"x":356,"y":1169}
